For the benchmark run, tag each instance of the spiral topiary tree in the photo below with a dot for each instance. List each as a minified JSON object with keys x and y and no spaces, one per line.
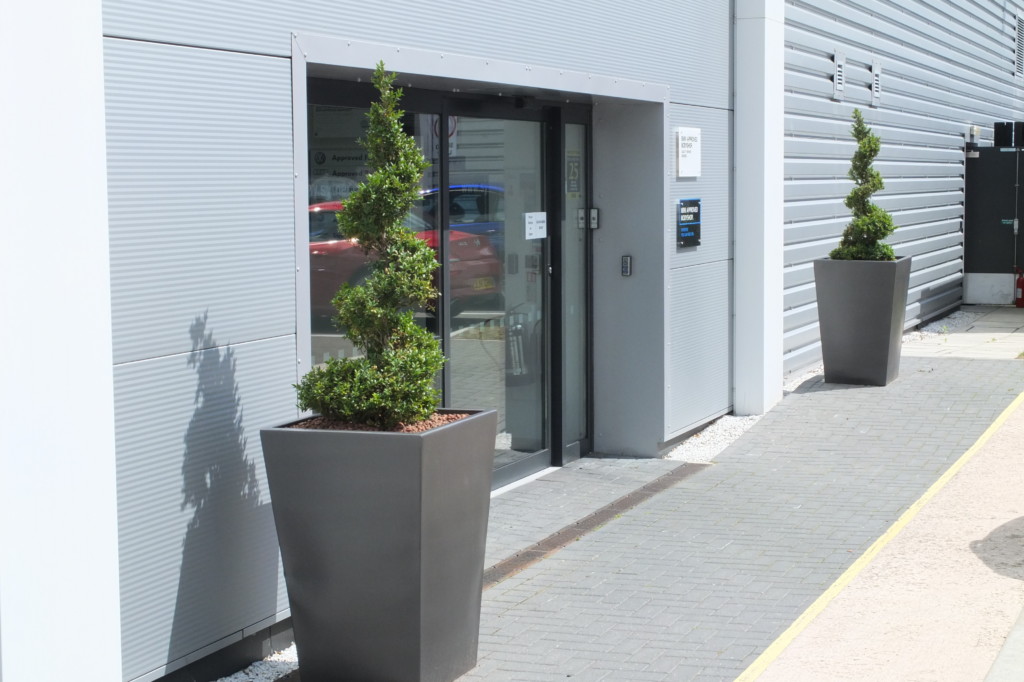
{"x":393,"y":382}
{"x":862,"y":238}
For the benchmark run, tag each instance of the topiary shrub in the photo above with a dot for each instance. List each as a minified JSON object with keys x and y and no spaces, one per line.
{"x":393,"y":383}
{"x":871,"y":224}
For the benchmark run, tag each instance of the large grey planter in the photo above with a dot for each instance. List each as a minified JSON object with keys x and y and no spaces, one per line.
{"x":861,"y":308}
{"x":382,"y":538}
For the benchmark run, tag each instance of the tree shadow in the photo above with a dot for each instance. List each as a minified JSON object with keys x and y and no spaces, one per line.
{"x":229,"y":567}
{"x":1002,"y":550}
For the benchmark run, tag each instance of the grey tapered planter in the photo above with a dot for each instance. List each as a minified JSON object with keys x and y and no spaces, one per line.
{"x":382,"y":539}
{"x":861,"y":308}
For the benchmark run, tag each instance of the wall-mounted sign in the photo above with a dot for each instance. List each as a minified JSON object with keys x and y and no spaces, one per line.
{"x":536,"y":225}
{"x":687,"y":152}
{"x":688,"y":223}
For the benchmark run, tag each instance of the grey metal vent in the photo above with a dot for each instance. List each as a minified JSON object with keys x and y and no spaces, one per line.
{"x":839,"y":76}
{"x":876,"y":83}
{"x":1018,"y":53}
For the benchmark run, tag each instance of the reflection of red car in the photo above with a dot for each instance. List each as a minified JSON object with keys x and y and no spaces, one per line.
{"x":475,"y":268}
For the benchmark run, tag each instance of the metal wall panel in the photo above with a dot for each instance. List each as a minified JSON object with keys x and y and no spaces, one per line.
{"x":699,"y":306}
{"x":684,"y":45}
{"x":712,"y":187}
{"x":945,"y":65}
{"x":198,"y":551}
{"x":630,"y":189}
{"x":201,"y":201}
{"x":698,"y":376}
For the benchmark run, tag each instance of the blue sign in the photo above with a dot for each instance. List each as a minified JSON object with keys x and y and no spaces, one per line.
{"x":688,"y":223}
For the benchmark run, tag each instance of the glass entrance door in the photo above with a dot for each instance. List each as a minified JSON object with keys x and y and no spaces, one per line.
{"x":497,"y":304}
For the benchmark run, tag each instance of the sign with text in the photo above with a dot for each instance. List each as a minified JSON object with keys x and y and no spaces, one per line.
{"x":687,"y":152}
{"x":688,"y":223}
{"x":573,"y":174}
{"x":536,"y":225}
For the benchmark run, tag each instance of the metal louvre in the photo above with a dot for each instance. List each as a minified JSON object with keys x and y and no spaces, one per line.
{"x":1018,"y":59}
{"x":946,"y":67}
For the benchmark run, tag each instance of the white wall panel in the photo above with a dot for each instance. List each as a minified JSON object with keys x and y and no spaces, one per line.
{"x":201,"y":201}
{"x":712,"y":187}
{"x":59,"y":615}
{"x":684,"y":45}
{"x":945,"y":66}
{"x":629,"y":161}
{"x":699,"y":314}
{"x":698,"y":376}
{"x":198,"y":551}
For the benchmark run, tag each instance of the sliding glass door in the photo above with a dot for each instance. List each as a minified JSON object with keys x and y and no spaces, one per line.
{"x":495,"y":198}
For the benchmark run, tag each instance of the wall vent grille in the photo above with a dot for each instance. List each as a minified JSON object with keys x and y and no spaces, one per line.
{"x":839,"y":77}
{"x":876,"y":84}
{"x":1019,"y":51}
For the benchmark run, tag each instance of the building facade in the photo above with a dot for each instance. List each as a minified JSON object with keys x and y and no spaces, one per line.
{"x":626,"y":205}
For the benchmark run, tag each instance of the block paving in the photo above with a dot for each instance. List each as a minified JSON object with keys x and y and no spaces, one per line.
{"x":697,"y":581}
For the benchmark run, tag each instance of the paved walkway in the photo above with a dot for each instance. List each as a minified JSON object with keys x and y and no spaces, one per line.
{"x":701,"y":580}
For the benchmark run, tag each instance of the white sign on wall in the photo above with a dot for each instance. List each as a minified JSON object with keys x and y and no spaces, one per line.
{"x":688,"y":152}
{"x":536,"y":225}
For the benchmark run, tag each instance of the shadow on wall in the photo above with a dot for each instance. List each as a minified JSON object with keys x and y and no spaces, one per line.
{"x":1002,"y":550}
{"x":228,"y":578}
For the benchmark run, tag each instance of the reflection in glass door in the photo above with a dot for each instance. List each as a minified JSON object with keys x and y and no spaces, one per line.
{"x":574,"y":278}
{"x":337,"y":164}
{"x":497,"y":358}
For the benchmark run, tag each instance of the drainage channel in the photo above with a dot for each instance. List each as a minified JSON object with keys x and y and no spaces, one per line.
{"x":574,"y":531}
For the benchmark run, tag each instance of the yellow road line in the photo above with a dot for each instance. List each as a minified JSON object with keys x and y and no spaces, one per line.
{"x":814,"y":610}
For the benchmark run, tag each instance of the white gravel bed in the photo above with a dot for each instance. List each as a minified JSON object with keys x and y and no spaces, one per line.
{"x":702,"y":446}
{"x":961,"y":319}
{"x":274,"y":667}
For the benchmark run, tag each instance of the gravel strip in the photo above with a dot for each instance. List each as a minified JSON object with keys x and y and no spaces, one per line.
{"x":274,"y":667}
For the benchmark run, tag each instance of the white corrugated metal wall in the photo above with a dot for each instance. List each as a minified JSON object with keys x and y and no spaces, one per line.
{"x":945,"y":65}
{"x":199,"y":157}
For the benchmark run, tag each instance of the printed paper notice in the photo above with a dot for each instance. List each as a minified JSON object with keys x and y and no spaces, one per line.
{"x":536,"y":225}
{"x":688,"y":152}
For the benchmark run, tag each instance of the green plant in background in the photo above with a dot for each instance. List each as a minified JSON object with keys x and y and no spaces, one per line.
{"x":393,"y":383}
{"x":871,"y":224}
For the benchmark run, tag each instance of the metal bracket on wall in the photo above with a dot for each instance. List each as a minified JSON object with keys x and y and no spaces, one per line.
{"x":839,"y":76}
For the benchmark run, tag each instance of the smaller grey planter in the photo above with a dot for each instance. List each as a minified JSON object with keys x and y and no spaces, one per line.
{"x":382,"y":538}
{"x":861,"y":309}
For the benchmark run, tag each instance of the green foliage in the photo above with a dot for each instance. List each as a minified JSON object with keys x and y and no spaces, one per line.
{"x":393,"y":383}
{"x":871,"y":224}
